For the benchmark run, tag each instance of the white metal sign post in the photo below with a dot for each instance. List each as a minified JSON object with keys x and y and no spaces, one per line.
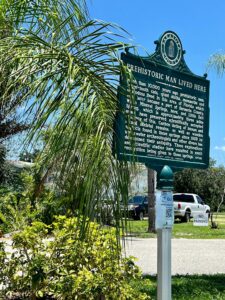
{"x":164,"y":264}
{"x":164,"y":223}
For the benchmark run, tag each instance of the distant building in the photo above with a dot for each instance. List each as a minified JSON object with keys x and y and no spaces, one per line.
{"x":18,"y":164}
{"x":139,"y":184}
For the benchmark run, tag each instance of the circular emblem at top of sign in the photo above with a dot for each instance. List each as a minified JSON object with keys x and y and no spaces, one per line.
{"x":171,"y":48}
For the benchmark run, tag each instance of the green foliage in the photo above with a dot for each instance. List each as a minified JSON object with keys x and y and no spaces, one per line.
{"x":10,"y":122}
{"x":17,"y":205}
{"x":196,"y":287}
{"x":209,"y":183}
{"x":182,"y":230}
{"x":12,"y":176}
{"x":217,"y":62}
{"x":29,"y":156}
{"x":69,"y":67}
{"x":67,"y":266}
{"x":7,"y":175}
{"x":15,"y":211}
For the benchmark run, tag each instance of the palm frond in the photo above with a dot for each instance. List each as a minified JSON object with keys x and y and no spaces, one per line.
{"x":67,"y":69}
{"x":217,"y":61}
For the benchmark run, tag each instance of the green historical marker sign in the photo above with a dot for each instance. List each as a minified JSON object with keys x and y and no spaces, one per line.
{"x":168,"y":121}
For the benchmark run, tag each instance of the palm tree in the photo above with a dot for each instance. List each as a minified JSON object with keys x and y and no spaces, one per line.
{"x":66,"y":69}
{"x":217,"y":61}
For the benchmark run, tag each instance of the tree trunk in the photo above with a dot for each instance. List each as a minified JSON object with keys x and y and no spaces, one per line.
{"x":151,"y":200}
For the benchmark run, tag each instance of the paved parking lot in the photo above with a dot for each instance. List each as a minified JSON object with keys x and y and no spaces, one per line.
{"x":188,"y":256}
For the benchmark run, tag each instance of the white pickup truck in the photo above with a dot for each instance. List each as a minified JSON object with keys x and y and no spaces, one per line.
{"x":185,"y":205}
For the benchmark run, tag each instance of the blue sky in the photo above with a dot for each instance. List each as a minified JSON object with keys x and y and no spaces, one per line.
{"x":201,"y":28}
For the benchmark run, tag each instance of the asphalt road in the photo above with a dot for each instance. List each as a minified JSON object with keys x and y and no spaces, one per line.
{"x":188,"y":256}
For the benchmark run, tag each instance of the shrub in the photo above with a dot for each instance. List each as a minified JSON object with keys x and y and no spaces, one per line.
{"x":67,"y":265}
{"x":14,"y":211}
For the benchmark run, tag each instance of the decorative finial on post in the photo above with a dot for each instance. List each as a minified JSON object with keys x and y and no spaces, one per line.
{"x":165,"y":179}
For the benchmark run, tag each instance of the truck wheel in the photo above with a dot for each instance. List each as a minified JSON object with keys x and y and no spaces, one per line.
{"x":186,"y":217}
{"x":141,"y":216}
{"x":208,"y":212}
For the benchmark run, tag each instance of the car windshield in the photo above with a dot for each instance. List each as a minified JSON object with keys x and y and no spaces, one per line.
{"x":183,"y":198}
{"x":136,"y":200}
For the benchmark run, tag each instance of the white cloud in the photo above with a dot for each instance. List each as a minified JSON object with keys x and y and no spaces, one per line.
{"x":222,"y":148}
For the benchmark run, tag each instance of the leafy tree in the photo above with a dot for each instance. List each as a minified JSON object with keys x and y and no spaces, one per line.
{"x":217,"y":61}
{"x":10,"y":98}
{"x":208,"y":183}
{"x":29,"y":156}
{"x":10,"y":124}
{"x":2,"y":164}
{"x":7,"y":174}
{"x":66,"y":68}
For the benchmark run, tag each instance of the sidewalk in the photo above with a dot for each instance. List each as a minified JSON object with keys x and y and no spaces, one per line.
{"x":189,"y":256}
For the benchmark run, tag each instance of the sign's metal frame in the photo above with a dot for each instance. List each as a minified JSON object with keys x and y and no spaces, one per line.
{"x":177,"y":69}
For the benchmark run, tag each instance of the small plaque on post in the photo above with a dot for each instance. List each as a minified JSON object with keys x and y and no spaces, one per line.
{"x":164,"y":210}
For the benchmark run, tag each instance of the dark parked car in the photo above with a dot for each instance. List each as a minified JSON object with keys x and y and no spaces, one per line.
{"x":138,"y":207}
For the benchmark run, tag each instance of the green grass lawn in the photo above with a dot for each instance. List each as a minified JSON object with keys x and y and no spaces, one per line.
{"x":182,"y":230}
{"x":194,"y":287}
